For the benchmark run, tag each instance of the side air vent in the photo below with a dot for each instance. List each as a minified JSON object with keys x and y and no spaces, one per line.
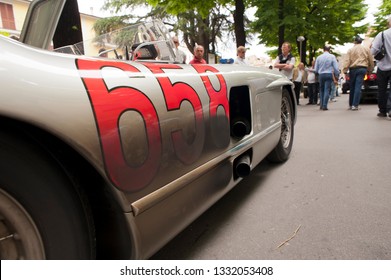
{"x":240,"y":111}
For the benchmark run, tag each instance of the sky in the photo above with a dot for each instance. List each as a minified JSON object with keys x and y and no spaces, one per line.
{"x":86,"y":5}
{"x":94,"y":7}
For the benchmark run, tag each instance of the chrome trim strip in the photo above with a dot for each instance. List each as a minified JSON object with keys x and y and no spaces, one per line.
{"x":162,"y":193}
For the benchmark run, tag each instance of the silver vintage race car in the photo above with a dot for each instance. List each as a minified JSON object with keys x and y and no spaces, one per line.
{"x":111,"y":157}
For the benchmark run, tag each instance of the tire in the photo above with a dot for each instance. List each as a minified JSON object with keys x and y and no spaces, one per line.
{"x":283,"y":149}
{"x":41,"y":213}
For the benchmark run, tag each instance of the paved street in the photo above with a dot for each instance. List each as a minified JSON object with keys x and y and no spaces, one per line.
{"x":331,"y":200}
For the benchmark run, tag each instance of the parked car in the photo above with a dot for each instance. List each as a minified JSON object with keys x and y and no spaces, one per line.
{"x":345,"y":84}
{"x":369,"y":87}
{"x":111,"y":157}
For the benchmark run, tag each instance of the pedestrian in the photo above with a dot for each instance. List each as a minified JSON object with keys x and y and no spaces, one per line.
{"x":312,"y":85}
{"x":240,"y":55}
{"x":180,"y":56}
{"x":285,"y":62}
{"x":198,"y":55}
{"x":298,"y":78}
{"x":383,"y":69}
{"x":334,"y":88}
{"x":325,"y":65}
{"x":341,"y":81}
{"x":359,"y":61}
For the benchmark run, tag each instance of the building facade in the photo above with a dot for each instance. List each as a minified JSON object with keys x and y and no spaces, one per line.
{"x":13,"y":13}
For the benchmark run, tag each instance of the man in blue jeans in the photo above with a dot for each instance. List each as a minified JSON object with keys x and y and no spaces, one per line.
{"x":326,"y":65}
{"x":359,"y":61}
{"x":383,"y":70}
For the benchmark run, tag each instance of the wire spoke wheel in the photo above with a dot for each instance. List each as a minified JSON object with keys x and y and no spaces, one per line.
{"x":41,"y":209}
{"x":284,"y":146}
{"x":19,"y":237}
{"x":286,"y":122}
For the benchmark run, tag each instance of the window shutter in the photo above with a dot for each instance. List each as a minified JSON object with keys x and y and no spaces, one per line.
{"x":7,"y":16}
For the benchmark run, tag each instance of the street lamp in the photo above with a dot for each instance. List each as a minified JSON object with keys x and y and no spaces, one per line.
{"x":300,"y":39}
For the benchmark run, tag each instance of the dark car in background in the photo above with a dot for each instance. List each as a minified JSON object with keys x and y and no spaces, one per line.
{"x":345,"y":84}
{"x":369,"y":87}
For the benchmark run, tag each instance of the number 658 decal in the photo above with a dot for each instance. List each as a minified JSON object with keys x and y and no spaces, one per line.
{"x":110,"y":104}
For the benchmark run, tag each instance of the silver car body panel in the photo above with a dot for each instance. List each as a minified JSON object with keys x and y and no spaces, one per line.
{"x":158,"y":133}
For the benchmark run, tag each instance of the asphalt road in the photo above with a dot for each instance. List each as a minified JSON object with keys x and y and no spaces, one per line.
{"x":330,"y":200}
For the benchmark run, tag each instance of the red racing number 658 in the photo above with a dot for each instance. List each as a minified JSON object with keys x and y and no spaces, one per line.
{"x":108,"y":105}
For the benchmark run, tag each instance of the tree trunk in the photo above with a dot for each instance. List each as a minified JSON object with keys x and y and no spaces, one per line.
{"x":281,"y":28}
{"x":204,"y":37}
{"x":304,"y":52}
{"x":302,"y":47}
{"x":240,"y":32}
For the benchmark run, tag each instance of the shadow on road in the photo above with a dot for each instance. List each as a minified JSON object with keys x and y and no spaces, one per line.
{"x":208,"y":225}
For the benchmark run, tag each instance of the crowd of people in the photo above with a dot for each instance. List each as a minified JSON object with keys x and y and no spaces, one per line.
{"x":323,"y":76}
{"x":199,"y":52}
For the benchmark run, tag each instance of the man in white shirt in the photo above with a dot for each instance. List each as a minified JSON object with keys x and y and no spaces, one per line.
{"x":180,"y":56}
{"x":312,"y":85}
{"x":285,"y":62}
{"x":240,"y":55}
{"x":298,"y":77}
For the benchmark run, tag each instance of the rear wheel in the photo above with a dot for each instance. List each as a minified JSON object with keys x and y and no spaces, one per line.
{"x":19,"y":236}
{"x":42,"y":214}
{"x":283,"y":149}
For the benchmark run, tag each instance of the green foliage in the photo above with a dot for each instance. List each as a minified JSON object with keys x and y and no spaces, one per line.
{"x":320,"y":21}
{"x":106,"y":25}
{"x":381,"y":18}
{"x":176,"y":7}
{"x":202,"y":22}
{"x":118,"y":5}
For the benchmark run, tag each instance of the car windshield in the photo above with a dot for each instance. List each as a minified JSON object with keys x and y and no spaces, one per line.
{"x":141,"y":41}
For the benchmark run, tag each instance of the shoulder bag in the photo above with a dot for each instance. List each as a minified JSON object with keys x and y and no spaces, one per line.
{"x":382,"y":52}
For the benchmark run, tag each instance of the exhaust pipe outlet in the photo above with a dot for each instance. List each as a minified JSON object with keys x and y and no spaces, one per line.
{"x":240,"y":129}
{"x":242,"y":166}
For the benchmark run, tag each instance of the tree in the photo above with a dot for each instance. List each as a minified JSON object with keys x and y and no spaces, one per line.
{"x":320,"y":21}
{"x":201,"y":22}
{"x":239,"y":21}
{"x":381,"y":18}
{"x":281,"y":27}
